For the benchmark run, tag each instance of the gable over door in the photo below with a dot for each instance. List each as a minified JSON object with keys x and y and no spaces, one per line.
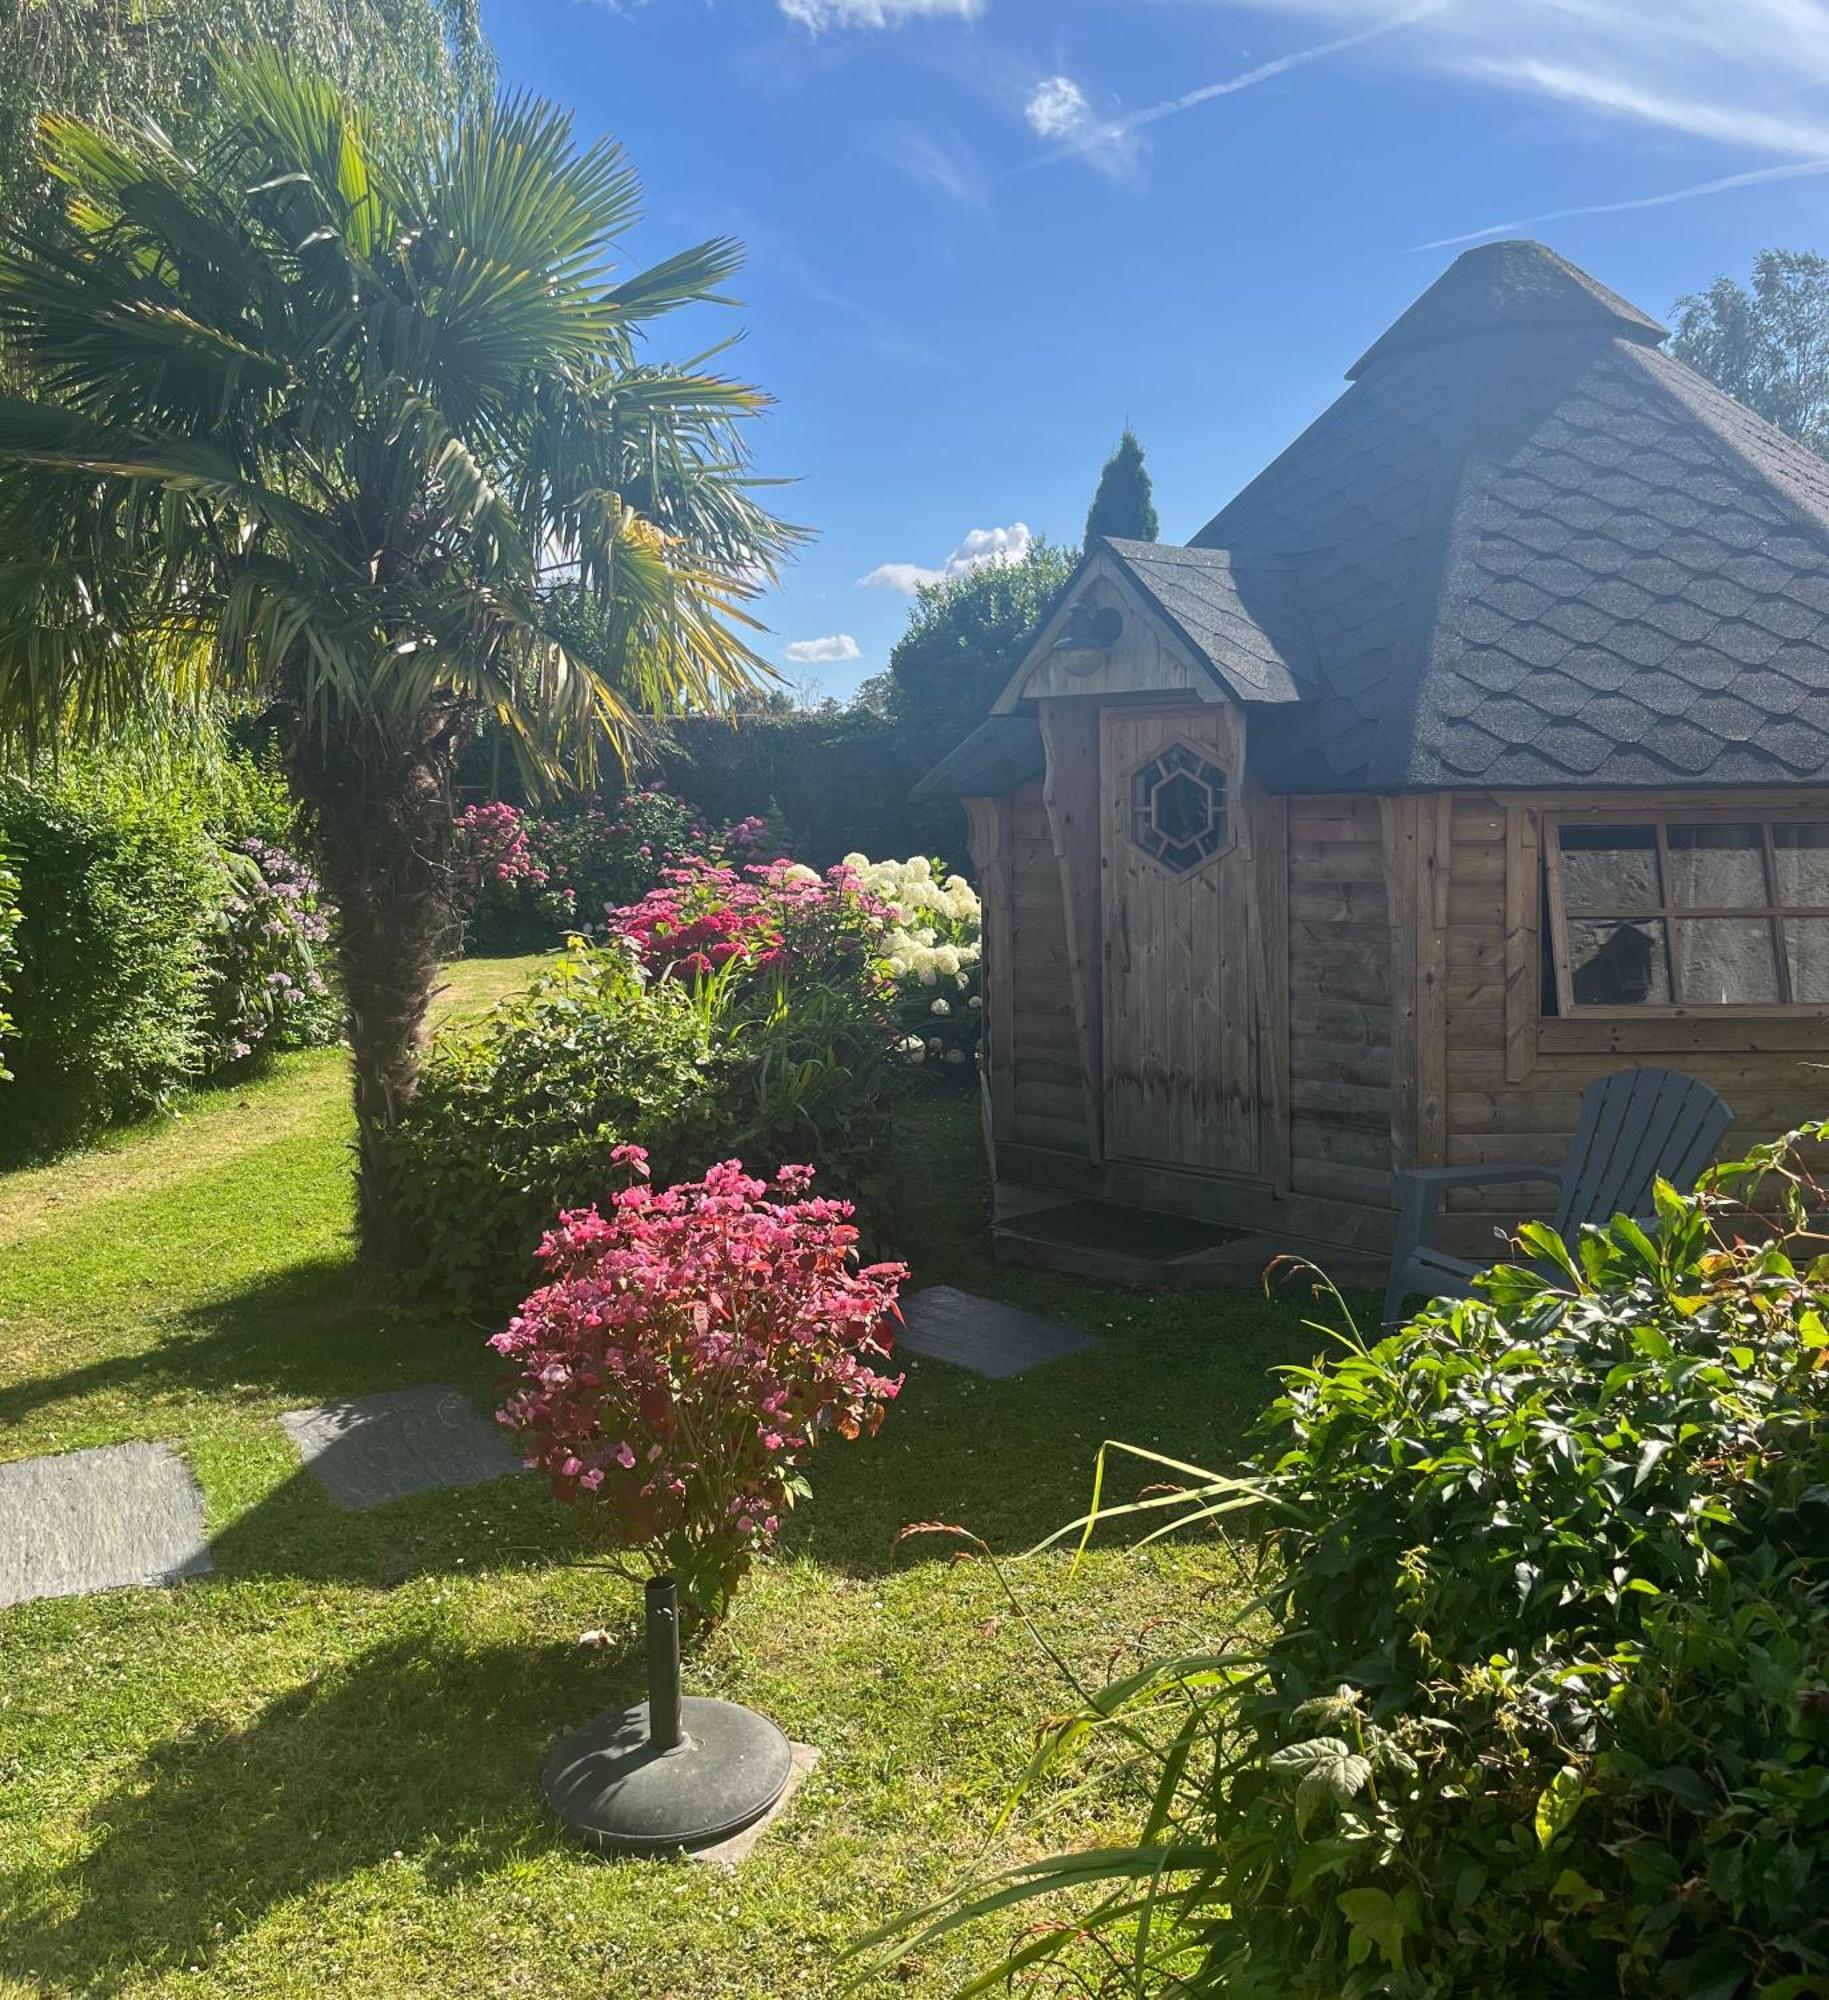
{"x":1182,"y":1076}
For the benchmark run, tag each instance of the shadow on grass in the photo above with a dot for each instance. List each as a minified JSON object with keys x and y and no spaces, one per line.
{"x":303,"y":1334}
{"x":413,"y":1749}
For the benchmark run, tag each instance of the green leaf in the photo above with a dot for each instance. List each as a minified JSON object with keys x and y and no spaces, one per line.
{"x":1379,"y":1917}
{"x":1557,"y":1804}
{"x":1326,"y":1768}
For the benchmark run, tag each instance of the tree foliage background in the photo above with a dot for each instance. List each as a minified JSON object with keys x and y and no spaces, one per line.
{"x":1767,"y":343}
{"x":129,"y":60}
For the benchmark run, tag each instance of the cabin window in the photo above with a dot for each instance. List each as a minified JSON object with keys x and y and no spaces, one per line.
{"x":1178,"y":808}
{"x":1706,"y":913}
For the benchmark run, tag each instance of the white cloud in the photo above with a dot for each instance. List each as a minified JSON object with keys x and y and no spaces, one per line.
{"x":983,"y":546}
{"x":820,"y":652}
{"x":1059,"y":111}
{"x":1057,"y":108}
{"x":820,"y":15}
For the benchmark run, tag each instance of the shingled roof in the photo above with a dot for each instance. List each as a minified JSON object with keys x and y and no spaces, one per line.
{"x":1241,"y":613}
{"x":1535,"y":551}
{"x":1526,"y":549}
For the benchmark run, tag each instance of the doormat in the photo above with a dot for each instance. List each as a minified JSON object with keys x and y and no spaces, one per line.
{"x":1126,"y":1232}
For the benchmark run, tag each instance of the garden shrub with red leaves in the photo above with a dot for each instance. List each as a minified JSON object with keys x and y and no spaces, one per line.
{"x":687,"y":1350}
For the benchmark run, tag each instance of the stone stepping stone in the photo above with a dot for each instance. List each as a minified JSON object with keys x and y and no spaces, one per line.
{"x":372,"y":1449}
{"x":983,"y":1335}
{"x":96,"y":1520}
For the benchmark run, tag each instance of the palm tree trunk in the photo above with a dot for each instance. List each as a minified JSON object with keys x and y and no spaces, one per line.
{"x":384,"y":834}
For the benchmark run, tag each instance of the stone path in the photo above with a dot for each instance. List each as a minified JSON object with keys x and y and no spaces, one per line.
{"x":131,"y":1513}
{"x":991,"y":1339}
{"x":372,"y":1449}
{"x":95,"y":1520}
{"x":740,"y":1846}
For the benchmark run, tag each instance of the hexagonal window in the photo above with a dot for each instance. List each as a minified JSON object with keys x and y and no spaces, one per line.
{"x":1178,"y":808}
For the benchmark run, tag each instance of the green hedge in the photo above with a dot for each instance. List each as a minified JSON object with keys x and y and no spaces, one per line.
{"x":830,"y":782}
{"x":117,"y":891}
{"x":137,"y":922}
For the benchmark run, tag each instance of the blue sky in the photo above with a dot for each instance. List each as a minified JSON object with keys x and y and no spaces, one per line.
{"x":984,"y":233}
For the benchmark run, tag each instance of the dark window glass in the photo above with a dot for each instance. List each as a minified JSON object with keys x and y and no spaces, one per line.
{"x":1619,"y":964}
{"x":1178,"y":808}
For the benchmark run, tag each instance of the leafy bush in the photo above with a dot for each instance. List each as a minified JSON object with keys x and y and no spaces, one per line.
{"x":686,"y":1352}
{"x":118,"y":889}
{"x":161,"y":932}
{"x":517,"y":1117}
{"x":933,"y":947}
{"x":1547,"y":1708}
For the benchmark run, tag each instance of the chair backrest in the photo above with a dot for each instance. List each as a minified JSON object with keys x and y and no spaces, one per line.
{"x":1637,"y":1126}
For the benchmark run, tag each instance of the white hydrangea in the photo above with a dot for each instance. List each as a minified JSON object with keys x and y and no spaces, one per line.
{"x":941,"y":1007}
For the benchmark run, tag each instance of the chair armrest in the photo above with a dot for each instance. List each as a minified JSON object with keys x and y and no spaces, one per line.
{"x":1446,"y":1177}
{"x":1419,"y":1202}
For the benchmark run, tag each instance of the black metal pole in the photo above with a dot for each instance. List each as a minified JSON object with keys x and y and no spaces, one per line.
{"x":665,"y":1731}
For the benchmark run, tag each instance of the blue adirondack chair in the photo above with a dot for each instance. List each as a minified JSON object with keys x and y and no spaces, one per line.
{"x":1636,"y":1126}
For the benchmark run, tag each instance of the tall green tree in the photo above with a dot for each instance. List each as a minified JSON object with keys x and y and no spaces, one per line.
{"x":1124,"y":503}
{"x":113,"y":60}
{"x":965,"y":638}
{"x":349,"y":419}
{"x":1767,"y":344}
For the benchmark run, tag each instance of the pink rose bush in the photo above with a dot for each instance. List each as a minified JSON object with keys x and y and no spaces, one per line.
{"x":687,"y":1349}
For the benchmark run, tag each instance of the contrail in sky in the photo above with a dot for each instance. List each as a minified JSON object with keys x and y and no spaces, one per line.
{"x":1792,"y":170}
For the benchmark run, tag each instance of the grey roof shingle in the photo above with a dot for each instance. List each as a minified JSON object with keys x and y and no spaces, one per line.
{"x":1534,"y":550}
{"x":1241,"y":613}
{"x":1525,"y":549}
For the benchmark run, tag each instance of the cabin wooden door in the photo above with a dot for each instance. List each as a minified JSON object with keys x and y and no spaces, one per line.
{"x":1181,"y":1075}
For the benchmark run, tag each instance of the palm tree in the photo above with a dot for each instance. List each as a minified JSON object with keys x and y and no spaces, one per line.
{"x":353,"y":424}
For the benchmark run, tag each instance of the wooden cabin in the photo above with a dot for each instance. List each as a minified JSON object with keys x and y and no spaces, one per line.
{"x":1479,"y":747}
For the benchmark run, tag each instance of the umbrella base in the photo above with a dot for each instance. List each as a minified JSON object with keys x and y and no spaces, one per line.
{"x":612,"y":1786}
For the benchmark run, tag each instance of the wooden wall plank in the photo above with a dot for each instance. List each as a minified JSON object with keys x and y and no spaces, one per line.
{"x":1071,"y":793}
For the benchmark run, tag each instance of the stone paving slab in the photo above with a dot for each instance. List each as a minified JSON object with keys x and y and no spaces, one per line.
{"x":96,"y":1520}
{"x":372,"y":1449}
{"x":983,"y":1335}
{"x":740,"y":1846}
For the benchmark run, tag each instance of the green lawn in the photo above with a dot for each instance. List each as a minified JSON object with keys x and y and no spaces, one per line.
{"x":314,"y":1772}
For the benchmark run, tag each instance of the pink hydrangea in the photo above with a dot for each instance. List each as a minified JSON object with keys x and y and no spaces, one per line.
{"x":688,"y":1348}
{"x":705,"y":914}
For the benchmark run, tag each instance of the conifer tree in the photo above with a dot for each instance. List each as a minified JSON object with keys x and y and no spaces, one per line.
{"x":1123,"y":505}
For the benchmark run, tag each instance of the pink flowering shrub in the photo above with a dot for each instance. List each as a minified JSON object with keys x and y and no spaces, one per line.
{"x":767,"y":916}
{"x":520,"y":881}
{"x":686,"y":1351}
